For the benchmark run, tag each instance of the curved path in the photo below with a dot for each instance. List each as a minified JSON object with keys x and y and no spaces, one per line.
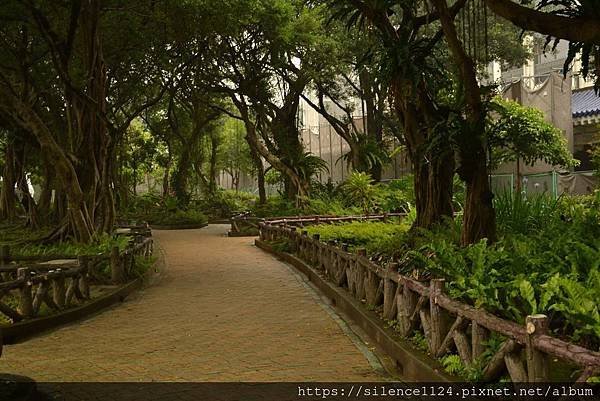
{"x":224,"y":311}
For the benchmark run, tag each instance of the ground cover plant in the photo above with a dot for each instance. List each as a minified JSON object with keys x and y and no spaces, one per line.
{"x":103,"y":245}
{"x":226,"y":203}
{"x":548,"y":262}
{"x":154,"y":209}
{"x":24,"y":241}
{"x":357,"y":195}
{"x":375,"y":237}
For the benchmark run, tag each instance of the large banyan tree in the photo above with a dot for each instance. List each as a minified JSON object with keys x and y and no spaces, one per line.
{"x":54,"y":88}
{"x":63,"y":102}
{"x":432,"y":53}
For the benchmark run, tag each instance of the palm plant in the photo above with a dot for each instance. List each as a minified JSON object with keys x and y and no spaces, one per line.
{"x":370,"y":154}
{"x":359,"y":190}
{"x":308,"y":165}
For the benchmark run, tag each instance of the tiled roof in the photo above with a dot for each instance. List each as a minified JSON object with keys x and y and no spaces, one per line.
{"x":585,"y":103}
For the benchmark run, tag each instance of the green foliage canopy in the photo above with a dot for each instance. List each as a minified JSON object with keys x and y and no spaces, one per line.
{"x":519,"y":132}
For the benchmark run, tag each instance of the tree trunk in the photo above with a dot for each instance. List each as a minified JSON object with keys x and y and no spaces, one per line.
{"x":107,"y":195}
{"x":59,"y":207}
{"x":262,"y":192}
{"x":97,"y":146}
{"x":433,"y":167}
{"x":342,"y":128}
{"x":45,"y":201}
{"x":165,"y":183}
{"x":166,"y":175}
{"x":180,"y":176}
{"x":81,"y":222}
{"x":433,"y":189}
{"x":355,"y":158}
{"x":260,"y":176}
{"x":8,"y":197}
{"x":27,"y":200}
{"x":285,"y":133}
{"x":373,"y":127}
{"x":479,"y":220}
{"x":275,"y":161}
{"x":134,"y":183}
{"x":214,"y":147}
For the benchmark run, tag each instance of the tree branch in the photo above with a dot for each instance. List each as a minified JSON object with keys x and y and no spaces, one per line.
{"x":575,"y":29}
{"x":434,"y":16}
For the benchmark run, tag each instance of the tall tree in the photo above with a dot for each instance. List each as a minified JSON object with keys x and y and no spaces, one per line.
{"x":479,"y":220}
{"x":264,"y":63}
{"x":415,"y":77}
{"x":74,"y":75}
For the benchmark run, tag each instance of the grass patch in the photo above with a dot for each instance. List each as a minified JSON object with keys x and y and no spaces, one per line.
{"x":70,"y":249}
{"x":375,"y":237}
{"x":11,"y":234}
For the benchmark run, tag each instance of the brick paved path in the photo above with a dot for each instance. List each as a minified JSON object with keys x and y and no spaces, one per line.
{"x":225,"y":311}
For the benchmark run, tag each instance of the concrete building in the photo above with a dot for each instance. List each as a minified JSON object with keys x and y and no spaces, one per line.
{"x":586,"y":125}
{"x":568,"y":103}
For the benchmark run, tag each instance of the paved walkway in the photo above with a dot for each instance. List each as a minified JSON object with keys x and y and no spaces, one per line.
{"x":225,"y":311}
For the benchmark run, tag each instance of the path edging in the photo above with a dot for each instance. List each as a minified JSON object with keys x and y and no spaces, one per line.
{"x":413,"y":364}
{"x":179,"y":226}
{"x":219,"y":221}
{"x":29,"y":328}
{"x":232,"y":234}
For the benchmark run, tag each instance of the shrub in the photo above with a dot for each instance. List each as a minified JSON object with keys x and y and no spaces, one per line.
{"x":225,"y":203}
{"x":522,"y":214}
{"x":276,"y":206}
{"x":177,"y":217}
{"x":397,"y":195}
{"x":359,"y":190}
{"x":162,"y":211}
{"x":547,"y":260}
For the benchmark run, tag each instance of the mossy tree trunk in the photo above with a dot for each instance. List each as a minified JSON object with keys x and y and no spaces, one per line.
{"x":479,"y":219}
{"x":433,"y":167}
{"x":8,"y":198}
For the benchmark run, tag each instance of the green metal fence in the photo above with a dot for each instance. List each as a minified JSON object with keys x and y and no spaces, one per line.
{"x":550,"y":182}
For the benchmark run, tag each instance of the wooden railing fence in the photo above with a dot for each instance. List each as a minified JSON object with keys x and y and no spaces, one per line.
{"x":244,"y":221}
{"x":58,"y":281}
{"x":448,"y":325}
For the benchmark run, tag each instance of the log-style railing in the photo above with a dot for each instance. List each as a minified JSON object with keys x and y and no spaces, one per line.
{"x":244,"y":222}
{"x":63,"y":284}
{"x":448,"y":325}
{"x":137,"y":229}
